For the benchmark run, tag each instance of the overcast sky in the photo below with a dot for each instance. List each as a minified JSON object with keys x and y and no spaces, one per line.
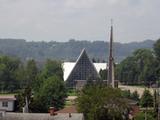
{"x":61,"y":20}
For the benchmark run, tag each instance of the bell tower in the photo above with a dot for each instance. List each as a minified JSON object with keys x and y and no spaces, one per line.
{"x":111,"y":81}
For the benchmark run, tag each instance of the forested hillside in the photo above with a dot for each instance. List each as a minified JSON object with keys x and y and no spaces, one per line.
{"x":67,"y":51}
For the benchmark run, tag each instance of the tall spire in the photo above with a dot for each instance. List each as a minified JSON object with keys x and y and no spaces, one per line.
{"x":111,"y":60}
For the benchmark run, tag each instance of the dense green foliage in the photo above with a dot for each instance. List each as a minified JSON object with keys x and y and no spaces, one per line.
{"x":50,"y":90}
{"x":140,"y":68}
{"x":8,"y":69}
{"x":157,"y":54}
{"x":42,"y":88}
{"x":129,"y":95}
{"x":51,"y":94}
{"x":52,"y":68}
{"x":135,"y":96}
{"x":69,"y":51}
{"x":103,"y":74}
{"x":141,"y":116}
{"x":72,"y":92}
{"x":157,"y":49}
{"x":99,"y":102}
{"x":146,"y":99}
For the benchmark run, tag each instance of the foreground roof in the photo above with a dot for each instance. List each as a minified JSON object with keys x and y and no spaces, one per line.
{"x":43,"y":116}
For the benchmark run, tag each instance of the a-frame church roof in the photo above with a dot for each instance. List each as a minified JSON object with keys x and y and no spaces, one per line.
{"x":84,"y":69}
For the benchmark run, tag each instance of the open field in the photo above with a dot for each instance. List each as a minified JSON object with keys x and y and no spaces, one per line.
{"x":139,"y":89}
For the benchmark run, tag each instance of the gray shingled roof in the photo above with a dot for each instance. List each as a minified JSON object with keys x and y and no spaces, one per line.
{"x":38,"y":116}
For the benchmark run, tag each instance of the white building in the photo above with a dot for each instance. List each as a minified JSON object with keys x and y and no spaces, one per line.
{"x":7,"y":102}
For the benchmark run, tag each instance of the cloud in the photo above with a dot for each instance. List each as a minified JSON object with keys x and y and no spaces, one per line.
{"x":81,"y":19}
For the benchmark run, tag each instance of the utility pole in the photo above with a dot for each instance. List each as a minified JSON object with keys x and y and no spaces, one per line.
{"x":111,"y":78}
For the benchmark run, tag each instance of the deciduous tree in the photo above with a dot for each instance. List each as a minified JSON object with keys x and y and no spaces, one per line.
{"x":99,"y":102}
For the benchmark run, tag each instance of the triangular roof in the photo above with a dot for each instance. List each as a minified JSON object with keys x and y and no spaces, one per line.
{"x":84,"y":69}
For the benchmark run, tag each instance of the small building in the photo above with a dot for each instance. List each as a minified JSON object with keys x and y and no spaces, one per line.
{"x":7,"y":103}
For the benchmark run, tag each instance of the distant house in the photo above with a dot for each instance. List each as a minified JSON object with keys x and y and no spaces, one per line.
{"x":82,"y":71}
{"x":7,"y":102}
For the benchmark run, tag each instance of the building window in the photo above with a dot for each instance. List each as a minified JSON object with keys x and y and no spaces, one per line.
{"x":5,"y":104}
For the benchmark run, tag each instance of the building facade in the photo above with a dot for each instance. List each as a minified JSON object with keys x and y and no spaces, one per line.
{"x":7,"y":103}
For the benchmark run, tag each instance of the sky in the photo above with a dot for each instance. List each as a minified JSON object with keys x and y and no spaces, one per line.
{"x":61,"y":20}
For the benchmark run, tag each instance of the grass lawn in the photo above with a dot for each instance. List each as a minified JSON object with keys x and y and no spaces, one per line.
{"x":68,"y":103}
{"x":72,"y":92}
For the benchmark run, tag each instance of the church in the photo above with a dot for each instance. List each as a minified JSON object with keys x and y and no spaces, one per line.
{"x":82,"y":71}
{"x":85,"y":70}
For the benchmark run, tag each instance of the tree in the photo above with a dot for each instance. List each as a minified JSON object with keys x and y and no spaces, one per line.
{"x":155,"y":103}
{"x":141,"y":116}
{"x":27,"y":75}
{"x":157,"y":49}
{"x":135,"y":96}
{"x":103,"y":74}
{"x":146,"y":99}
{"x":47,"y":86}
{"x":99,"y":102}
{"x":21,"y":98}
{"x":127,"y":71}
{"x":20,"y":75}
{"x":157,"y":54}
{"x":50,"y":90}
{"x":126,"y":93}
{"x":31,"y":73}
{"x":8,"y":66}
{"x":145,"y":61}
{"x":51,"y":94}
{"x":136,"y":69}
{"x":129,"y":95}
{"x":51,"y":68}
